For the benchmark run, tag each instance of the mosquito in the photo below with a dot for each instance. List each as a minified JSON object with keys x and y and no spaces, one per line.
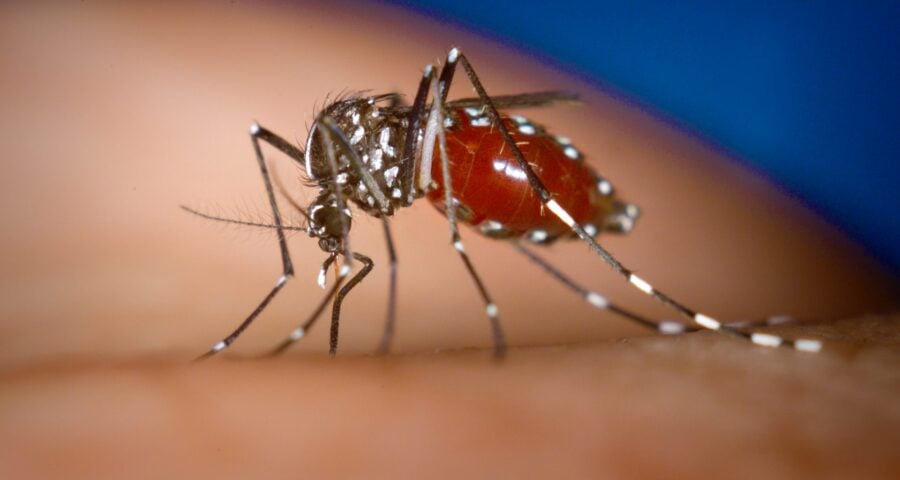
{"x":503,"y":175}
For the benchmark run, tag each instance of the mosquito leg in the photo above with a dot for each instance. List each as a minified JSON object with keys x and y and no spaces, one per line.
{"x":408,"y":165}
{"x":300,"y":331}
{"x":437,"y":118}
{"x":327,"y":137}
{"x":339,"y":299}
{"x":546,"y":198}
{"x":387,"y":337}
{"x":384,"y":205}
{"x":287,"y":266}
{"x":599,"y":301}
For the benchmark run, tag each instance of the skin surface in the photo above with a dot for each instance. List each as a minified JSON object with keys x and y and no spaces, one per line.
{"x":113,"y":116}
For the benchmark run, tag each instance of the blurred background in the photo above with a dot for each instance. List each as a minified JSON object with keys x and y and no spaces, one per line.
{"x":805,"y":92}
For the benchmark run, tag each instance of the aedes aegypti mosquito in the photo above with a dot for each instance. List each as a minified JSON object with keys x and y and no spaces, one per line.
{"x":499,"y":173}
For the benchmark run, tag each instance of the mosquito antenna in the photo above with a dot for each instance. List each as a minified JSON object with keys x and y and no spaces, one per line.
{"x":244,"y":223}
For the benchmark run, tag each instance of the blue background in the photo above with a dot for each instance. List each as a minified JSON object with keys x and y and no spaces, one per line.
{"x":805,"y":92}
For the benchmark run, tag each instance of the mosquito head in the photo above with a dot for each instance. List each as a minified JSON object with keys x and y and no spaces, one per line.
{"x":327,"y":222}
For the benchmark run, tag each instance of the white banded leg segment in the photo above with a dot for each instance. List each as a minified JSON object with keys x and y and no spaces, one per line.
{"x":321,"y":278}
{"x":492,"y":310}
{"x":707,"y":322}
{"x":766,"y":340}
{"x":807,"y":345}
{"x":597,"y":300}
{"x":345,"y":270}
{"x":560,"y":212}
{"x":671,"y":327}
{"x":641,"y":284}
{"x":219,"y":347}
{"x":298,"y":334}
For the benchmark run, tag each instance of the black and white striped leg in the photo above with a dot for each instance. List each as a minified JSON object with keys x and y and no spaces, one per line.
{"x":339,"y":299}
{"x":301,"y":331}
{"x":385,"y":345}
{"x":599,"y":301}
{"x":257,"y":132}
{"x":546,"y":198}
{"x":493,"y":313}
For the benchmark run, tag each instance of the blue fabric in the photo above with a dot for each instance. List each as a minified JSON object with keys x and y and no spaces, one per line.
{"x":806,"y":92}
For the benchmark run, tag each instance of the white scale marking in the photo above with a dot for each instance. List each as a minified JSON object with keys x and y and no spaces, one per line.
{"x":298,"y":334}
{"x":254,"y":129}
{"x":669,"y":327}
{"x":396,"y":193}
{"x":219,"y":346}
{"x":571,"y":152}
{"x":641,"y":284}
{"x":537,"y":236}
{"x":459,"y":247}
{"x":765,"y":340}
{"x":384,"y":139}
{"x":492,"y":226}
{"x":492,"y":310}
{"x":604,"y":187}
{"x":390,"y":175}
{"x":480,"y":121}
{"x":527,"y":129}
{"x":453,"y":55}
{"x":597,"y":300}
{"x":560,"y":212}
{"x":281,"y":281}
{"x":707,"y":322}
{"x":807,"y":345}
{"x":357,"y":135}
{"x":345,"y":270}
{"x":342,"y":178}
{"x":590,"y":229}
{"x":320,"y":280}
{"x":625,"y":223}
{"x":377,"y":160}
{"x":632,"y":210}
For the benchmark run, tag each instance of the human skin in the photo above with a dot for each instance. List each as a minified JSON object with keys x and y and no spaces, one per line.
{"x":113,"y":116}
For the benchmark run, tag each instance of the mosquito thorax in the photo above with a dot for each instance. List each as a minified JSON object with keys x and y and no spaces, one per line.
{"x":375,"y":128}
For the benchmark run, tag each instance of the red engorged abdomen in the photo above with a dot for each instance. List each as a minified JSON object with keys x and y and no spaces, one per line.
{"x":489,"y":183}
